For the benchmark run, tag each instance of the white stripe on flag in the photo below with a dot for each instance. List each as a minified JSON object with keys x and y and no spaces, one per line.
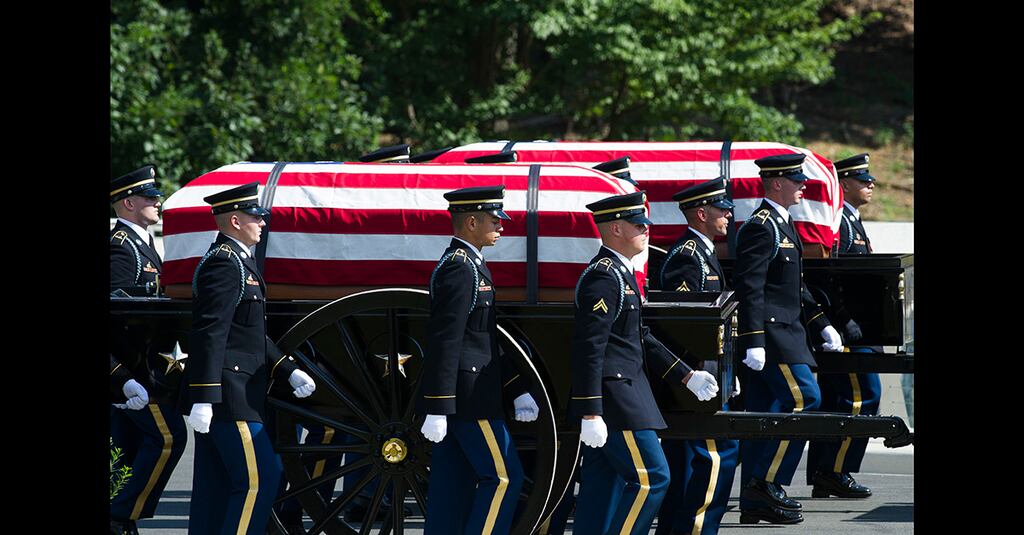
{"x":354,"y":247}
{"x":390,"y":198}
{"x":188,"y":245}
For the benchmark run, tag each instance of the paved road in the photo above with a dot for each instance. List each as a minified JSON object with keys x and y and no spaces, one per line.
{"x":889,"y":473}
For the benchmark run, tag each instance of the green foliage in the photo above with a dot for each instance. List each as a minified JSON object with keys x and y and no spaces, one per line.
{"x":119,"y":475}
{"x":200,"y":84}
{"x":194,"y":88}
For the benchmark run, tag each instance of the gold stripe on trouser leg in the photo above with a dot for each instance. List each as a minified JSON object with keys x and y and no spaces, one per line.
{"x":318,"y":469}
{"x":645,"y":484}
{"x":798,"y":398}
{"x":165,"y":453}
{"x":698,"y":521}
{"x":499,"y":469}
{"x":254,"y":478}
{"x":857,"y":402}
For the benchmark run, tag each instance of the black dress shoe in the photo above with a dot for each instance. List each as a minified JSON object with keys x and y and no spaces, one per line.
{"x":771,"y":515}
{"x":841,"y":485}
{"x":770,"y":494}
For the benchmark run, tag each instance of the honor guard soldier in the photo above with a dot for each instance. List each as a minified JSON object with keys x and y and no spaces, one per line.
{"x":498,"y":157}
{"x":618,"y":168}
{"x":134,"y":263}
{"x":624,"y":474}
{"x":425,"y":157}
{"x":475,"y":473}
{"x":830,"y":464}
{"x":231,"y":366}
{"x":702,"y":470}
{"x":143,"y":421}
{"x":392,"y":154}
{"x":774,"y":307}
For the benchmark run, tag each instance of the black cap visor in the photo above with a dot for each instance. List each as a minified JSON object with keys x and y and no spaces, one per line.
{"x":639,"y":219}
{"x":724,"y":204}
{"x":255,"y":211}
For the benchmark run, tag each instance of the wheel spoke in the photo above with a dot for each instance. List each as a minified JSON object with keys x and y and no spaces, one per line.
{"x":339,"y":504}
{"x":398,"y":506}
{"x":307,"y":414}
{"x":330,"y":476}
{"x":374,"y":508}
{"x":411,"y":406}
{"x":317,"y":451}
{"x":393,"y":373}
{"x":417,"y":493}
{"x":355,"y":355}
{"x":329,"y":383}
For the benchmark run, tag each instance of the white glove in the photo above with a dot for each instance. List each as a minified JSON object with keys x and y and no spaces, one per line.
{"x":435,"y":427}
{"x":136,"y":394}
{"x":832,"y":340}
{"x":200,"y":417}
{"x":594,"y":432}
{"x":736,"y":387}
{"x":526,"y":408}
{"x":703,"y":385}
{"x":302,"y":383}
{"x":755,"y":358}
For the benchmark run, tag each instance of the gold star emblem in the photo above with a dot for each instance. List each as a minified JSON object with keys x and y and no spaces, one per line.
{"x":401,"y":361}
{"x":175,"y":359}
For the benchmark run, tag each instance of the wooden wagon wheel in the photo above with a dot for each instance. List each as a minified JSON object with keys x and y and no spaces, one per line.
{"x":351,"y":347}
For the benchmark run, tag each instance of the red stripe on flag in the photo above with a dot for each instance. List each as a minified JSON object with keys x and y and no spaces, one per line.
{"x":409,"y":222}
{"x":599,"y":154}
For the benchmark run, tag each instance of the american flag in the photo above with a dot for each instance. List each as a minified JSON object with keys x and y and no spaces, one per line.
{"x":664,"y":168}
{"x":356,"y":224}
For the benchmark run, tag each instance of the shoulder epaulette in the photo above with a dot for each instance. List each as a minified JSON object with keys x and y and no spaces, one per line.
{"x":464,"y":256}
{"x":123,"y":238}
{"x":226,"y":249}
{"x":607,"y":265}
{"x":689,"y":246}
{"x":762,"y":217}
{"x":120,"y":236}
{"x":228,"y":252}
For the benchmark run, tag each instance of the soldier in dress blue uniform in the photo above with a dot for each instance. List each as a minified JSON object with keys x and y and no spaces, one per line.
{"x":498,"y":157}
{"x":393,"y":154}
{"x":624,"y":474}
{"x":231,"y":366}
{"x":618,"y":168}
{"x":143,"y":420}
{"x":774,"y":307}
{"x":425,"y":157}
{"x":830,"y":464}
{"x":475,"y":472}
{"x":702,"y":470}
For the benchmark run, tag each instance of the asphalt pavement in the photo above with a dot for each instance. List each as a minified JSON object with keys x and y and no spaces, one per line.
{"x":888,"y":472}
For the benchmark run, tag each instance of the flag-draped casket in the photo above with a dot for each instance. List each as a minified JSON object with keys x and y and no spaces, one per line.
{"x":664,"y":168}
{"x":335,"y":226}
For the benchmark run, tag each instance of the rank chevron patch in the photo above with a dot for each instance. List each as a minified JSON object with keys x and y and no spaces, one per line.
{"x":600,"y":305}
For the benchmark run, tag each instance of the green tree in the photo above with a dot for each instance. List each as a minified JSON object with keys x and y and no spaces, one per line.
{"x":197,"y":85}
{"x":458,"y":71}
